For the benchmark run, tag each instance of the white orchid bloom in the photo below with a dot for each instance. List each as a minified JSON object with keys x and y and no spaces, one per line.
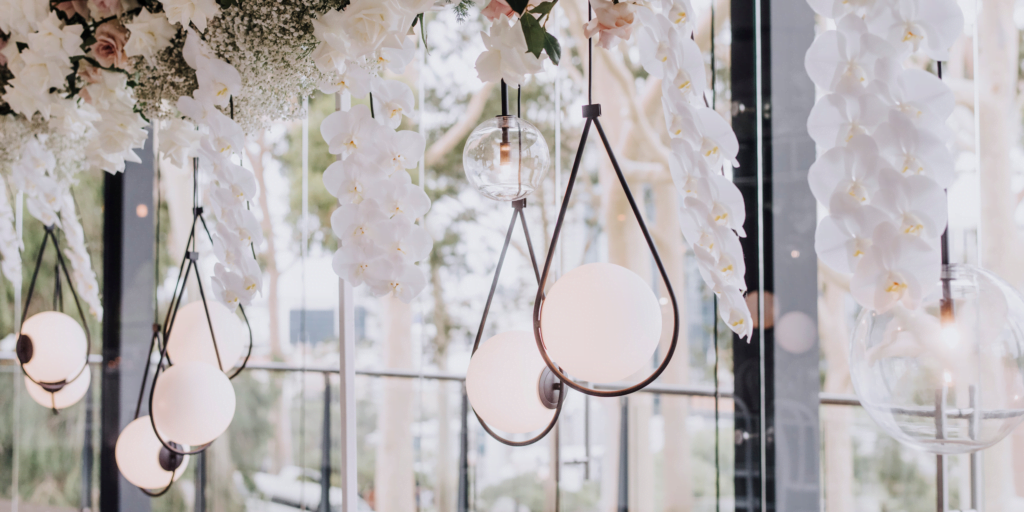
{"x":404,"y":149}
{"x":899,"y":268}
{"x":226,"y":136}
{"x":718,"y":143}
{"x":391,"y":100}
{"x":846,"y":59}
{"x":355,"y":264}
{"x":347,"y":132}
{"x":244,"y":226}
{"x":679,"y":13}
{"x":920,"y":95}
{"x":54,"y":37}
{"x":218,"y":82}
{"x":659,"y":42}
{"x":835,"y":119}
{"x":844,"y":237}
{"x":68,"y":117}
{"x":405,"y":282}
{"x":403,"y":243}
{"x":349,"y":180}
{"x":329,"y":61}
{"x":506,"y":57}
{"x":150,"y":33}
{"x":195,"y":49}
{"x":680,"y":118}
{"x":400,"y":200}
{"x":732,"y":307}
{"x":852,"y":170}
{"x":699,"y":228}
{"x":237,"y":180}
{"x":916,"y":203}
{"x":397,"y":53}
{"x":914,"y":150}
{"x":726,"y":201}
{"x":328,"y":30}
{"x":684,"y":71}
{"x":356,"y":224}
{"x":689,"y":170}
{"x":191,"y":11}
{"x":179,"y":140}
{"x":352,"y":79}
{"x":197,"y":111}
{"x":229,"y":287}
{"x":727,"y":271}
{"x":912,"y":25}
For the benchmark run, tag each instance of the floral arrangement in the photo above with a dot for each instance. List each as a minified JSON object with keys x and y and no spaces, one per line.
{"x":884,"y":146}
{"x":712,"y":212}
{"x":517,"y":41}
{"x":376,"y":220}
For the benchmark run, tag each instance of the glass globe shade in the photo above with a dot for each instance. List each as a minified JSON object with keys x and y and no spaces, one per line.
{"x":601,"y":323}
{"x":59,"y":346}
{"x":190,"y":338}
{"x":503,"y":381}
{"x":65,"y":397}
{"x":506,"y":158}
{"x":137,"y":453}
{"x":193,"y":403}
{"x":907,"y":364}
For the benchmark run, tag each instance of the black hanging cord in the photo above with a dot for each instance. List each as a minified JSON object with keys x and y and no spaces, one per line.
{"x":517,"y":215}
{"x":24,"y":348}
{"x":946,"y":304}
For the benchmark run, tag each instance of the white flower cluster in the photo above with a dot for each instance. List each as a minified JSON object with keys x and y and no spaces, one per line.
{"x":82,"y":276}
{"x":39,"y":54}
{"x":48,"y":198}
{"x":884,"y":145}
{"x":703,"y":143}
{"x":237,"y":277}
{"x":379,"y":205}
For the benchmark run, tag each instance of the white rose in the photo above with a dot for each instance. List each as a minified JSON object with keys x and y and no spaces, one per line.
{"x":195,"y":11}
{"x":366,"y":23}
{"x":150,"y":33}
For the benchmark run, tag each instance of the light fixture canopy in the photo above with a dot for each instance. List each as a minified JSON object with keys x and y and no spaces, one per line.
{"x":67,"y":395}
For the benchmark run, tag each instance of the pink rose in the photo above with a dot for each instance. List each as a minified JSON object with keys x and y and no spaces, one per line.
{"x":612,"y":22}
{"x":101,"y":9}
{"x":496,"y":9}
{"x":108,"y":49}
{"x":73,"y":7}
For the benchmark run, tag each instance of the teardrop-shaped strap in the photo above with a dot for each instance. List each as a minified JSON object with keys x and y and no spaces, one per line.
{"x":61,"y":267}
{"x":591,"y":113}
{"x":517,"y":214}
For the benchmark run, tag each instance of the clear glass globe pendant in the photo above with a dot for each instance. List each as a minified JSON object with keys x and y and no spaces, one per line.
{"x":53,"y":348}
{"x":947,"y":377}
{"x":506,"y":158}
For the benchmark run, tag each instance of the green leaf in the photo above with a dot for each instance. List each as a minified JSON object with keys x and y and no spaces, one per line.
{"x":552,"y":47}
{"x":534,"y":35}
{"x":224,"y":4}
{"x":544,"y":8}
{"x":518,"y":6}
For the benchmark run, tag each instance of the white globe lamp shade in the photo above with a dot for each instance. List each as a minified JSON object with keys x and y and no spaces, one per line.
{"x":138,"y":457}
{"x":58,"y":346}
{"x":190,"y":338}
{"x":63,"y":398}
{"x":503,"y":383}
{"x":193,"y":403}
{"x":601,"y":323}
{"x":506,"y":158}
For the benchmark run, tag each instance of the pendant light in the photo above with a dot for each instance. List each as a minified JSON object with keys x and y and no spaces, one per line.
{"x":191,"y":400}
{"x":507,"y":382}
{"x":600,"y":322}
{"x":53,"y":348}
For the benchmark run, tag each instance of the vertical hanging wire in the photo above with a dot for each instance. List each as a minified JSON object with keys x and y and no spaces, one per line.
{"x":714,"y":301}
{"x":303,"y":336}
{"x":19,"y":221}
{"x":759,"y":112}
